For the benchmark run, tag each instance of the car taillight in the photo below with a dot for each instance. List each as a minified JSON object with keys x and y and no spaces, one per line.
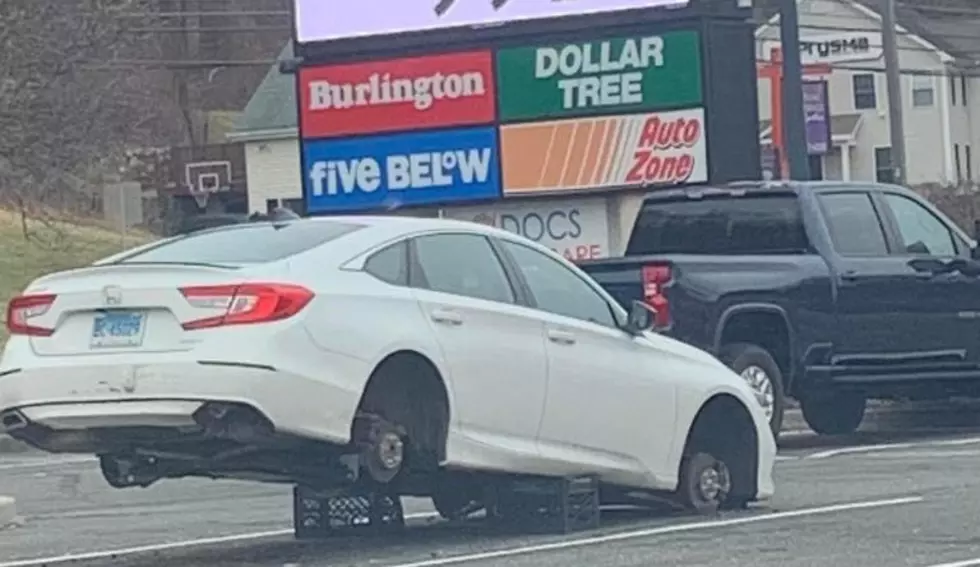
{"x":245,"y":303}
{"x":655,"y":280}
{"x":23,"y":308}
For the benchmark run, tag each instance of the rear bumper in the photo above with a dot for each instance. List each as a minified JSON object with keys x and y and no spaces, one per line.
{"x":172,"y":396}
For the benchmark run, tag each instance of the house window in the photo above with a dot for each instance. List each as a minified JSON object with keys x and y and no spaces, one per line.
{"x":957,"y":163}
{"x":884,"y":171}
{"x":271,"y":205}
{"x":864,"y":91}
{"x":923,"y":91}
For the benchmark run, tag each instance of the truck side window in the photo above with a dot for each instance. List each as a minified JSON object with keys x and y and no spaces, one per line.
{"x":855,"y":228}
{"x":921,"y":231}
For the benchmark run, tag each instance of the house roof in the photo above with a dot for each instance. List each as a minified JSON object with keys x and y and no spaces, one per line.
{"x":271,"y":112}
{"x":950,"y":25}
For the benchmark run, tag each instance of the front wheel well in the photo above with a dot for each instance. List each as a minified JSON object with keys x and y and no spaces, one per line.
{"x":407,"y":389}
{"x":724,"y":428}
{"x":765,"y":329}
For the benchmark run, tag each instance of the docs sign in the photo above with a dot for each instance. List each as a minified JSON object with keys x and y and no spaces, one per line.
{"x":398,"y":170}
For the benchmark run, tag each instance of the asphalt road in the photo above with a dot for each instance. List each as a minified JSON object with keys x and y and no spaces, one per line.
{"x":901,"y":493}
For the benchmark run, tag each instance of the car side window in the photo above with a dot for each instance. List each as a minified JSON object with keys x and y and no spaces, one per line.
{"x":921,"y":231}
{"x":855,"y":228}
{"x":462,"y":264}
{"x":390,"y":264}
{"x":558,"y":290}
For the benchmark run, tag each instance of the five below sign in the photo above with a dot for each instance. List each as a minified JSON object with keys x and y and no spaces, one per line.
{"x":578,"y":79}
{"x":417,"y":168}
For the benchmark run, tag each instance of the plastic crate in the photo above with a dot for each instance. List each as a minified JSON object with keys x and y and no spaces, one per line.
{"x":316,"y":515}
{"x":547,"y":505}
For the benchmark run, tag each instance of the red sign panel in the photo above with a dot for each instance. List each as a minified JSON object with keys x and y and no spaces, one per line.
{"x":402,"y":94}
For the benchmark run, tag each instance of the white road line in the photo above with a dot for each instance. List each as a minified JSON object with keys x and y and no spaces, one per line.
{"x":93,"y":555}
{"x":711,"y":524}
{"x":975,"y":562}
{"x":884,"y":447}
{"x":41,"y":463}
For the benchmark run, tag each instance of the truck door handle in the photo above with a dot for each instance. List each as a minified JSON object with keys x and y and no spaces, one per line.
{"x":447,"y":317}
{"x":561,"y":337}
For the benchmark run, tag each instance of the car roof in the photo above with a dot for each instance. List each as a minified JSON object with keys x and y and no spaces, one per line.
{"x":770,"y":188}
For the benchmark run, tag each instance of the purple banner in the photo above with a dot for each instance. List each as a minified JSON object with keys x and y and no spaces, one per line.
{"x":320,"y":20}
{"x":816,"y":109}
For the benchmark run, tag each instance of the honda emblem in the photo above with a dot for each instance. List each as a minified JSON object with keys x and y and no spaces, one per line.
{"x":112,"y":295}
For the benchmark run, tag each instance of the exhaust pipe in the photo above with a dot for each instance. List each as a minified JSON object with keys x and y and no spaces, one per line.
{"x":12,"y":420}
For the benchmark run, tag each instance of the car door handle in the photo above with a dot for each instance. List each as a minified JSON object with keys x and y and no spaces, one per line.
{"x":446,"y":317}
{"x":561,"y":337}
{"x":849,"y":276}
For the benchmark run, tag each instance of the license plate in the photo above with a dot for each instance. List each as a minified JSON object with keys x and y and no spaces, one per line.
{"x":114,"y":329}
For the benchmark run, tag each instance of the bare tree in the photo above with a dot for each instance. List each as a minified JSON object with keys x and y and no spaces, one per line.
{"x":61,"y":107}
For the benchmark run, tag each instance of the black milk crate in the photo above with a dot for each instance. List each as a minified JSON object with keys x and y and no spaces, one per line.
{"x":547,"y":505}
{"x":319,"y":515}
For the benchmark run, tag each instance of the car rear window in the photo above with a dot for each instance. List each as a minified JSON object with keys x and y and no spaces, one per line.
{"x":244,"y":244}
{"x":764,"y":224}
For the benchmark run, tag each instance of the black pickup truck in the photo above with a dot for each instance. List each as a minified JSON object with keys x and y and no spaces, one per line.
{"x":831,"y":293}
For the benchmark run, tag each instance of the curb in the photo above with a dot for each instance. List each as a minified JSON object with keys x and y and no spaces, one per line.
{"x":8,"y":511}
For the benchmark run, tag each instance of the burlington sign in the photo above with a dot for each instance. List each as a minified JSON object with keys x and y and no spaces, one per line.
{"x":637,"y":73}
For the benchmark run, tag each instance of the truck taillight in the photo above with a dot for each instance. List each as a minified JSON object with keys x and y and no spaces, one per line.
{"x":23,"y":308}
{"x":656,"y":277}
{"x":245,"y":303}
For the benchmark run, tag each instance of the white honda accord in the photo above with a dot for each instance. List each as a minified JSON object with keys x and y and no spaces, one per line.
{"x":406,"y":351}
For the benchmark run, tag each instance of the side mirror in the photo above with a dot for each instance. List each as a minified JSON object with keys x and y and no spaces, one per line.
{"x":640,"y":318}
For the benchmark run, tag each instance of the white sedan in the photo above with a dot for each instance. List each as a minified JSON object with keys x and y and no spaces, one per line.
{"x":415,"y":352}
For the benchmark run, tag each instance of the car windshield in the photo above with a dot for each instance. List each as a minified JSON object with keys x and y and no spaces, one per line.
{"x":243,"y":244}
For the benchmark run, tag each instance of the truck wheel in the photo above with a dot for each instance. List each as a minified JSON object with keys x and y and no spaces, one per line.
{"x":759,"y":369}
{"x":835,"y":413}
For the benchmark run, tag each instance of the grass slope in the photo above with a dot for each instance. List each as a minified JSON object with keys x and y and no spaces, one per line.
{"x":55,"y":246}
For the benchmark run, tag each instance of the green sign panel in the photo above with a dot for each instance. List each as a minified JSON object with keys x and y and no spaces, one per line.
{"x":604,"y":76}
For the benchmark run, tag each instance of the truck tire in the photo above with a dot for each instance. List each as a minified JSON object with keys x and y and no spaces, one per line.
{"x":833,"y":413}
{"x":759,"y":369}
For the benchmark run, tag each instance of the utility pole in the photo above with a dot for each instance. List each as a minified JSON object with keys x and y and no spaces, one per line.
{"x":794,"y":127}
{"x":896,"y":121}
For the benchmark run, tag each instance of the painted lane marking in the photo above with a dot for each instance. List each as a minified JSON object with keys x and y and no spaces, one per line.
{"x":42,"y":463}
{"x":621,"y":536}
{"x":857,"y":449}
{"x":142,"y":549}
{"x":975,"y":562}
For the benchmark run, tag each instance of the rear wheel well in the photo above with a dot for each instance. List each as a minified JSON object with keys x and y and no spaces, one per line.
{"x":407,"y":389}
{"x":724,"y":429}
{"x":764,"y":329}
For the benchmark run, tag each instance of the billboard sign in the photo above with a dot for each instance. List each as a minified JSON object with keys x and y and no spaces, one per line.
{"x":324,"y":20}
{"x":587,"y":154}
{"x":390,"y":171}
{"x":816,"y":109}
{"x":602,"y":76}
{"x":455,"y":89}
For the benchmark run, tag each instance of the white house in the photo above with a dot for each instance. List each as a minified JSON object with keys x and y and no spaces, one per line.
{"x":938,"y":52}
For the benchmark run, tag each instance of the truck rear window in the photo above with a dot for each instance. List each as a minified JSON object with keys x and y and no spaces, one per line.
{"x":244,"y":244}
{"x":764,"y":224}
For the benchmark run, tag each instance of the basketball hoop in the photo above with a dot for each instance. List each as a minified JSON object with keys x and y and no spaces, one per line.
{"x":206,"y":178}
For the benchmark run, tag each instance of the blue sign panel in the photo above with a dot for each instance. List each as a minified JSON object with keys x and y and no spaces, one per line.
{"x":417,"y":168}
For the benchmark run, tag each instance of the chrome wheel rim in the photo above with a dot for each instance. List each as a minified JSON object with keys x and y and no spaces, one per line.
{"x":760,"y":382}
{"x":714,"y":483}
